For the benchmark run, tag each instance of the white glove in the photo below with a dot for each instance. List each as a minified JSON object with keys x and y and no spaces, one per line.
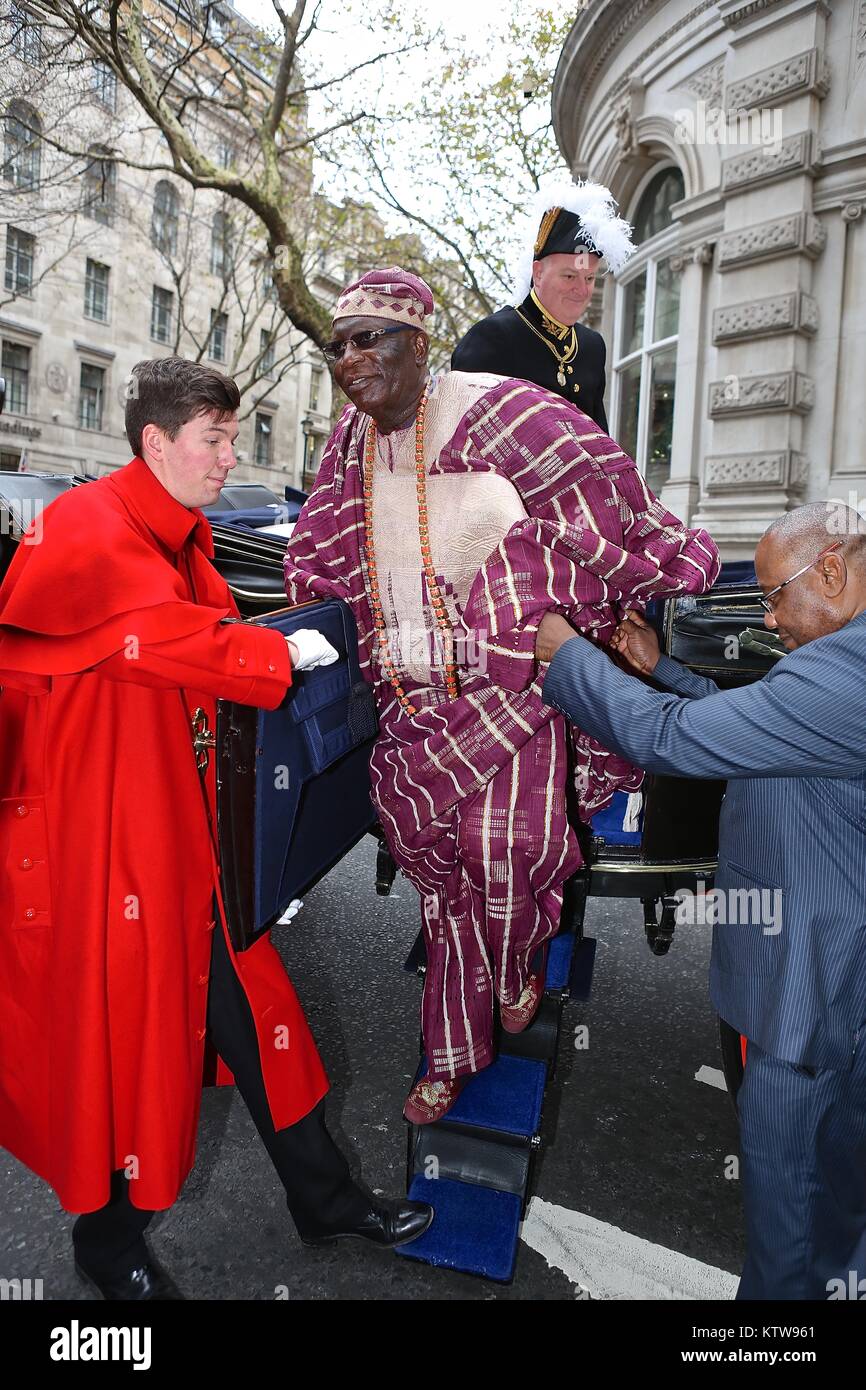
{"x":313,"y":649}
{"x":291,"y":911}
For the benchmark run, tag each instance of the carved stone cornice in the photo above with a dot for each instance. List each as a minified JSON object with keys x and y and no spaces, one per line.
{"x":769,"y":162}
{"x":706,"y":83}
{"x":756,"y":472}
{"x":737,"y":12}
{"x":794,"y":312}
{"x":701,"y":253}
{"x":798,"y":233}
{"x":797,"y":76}
{"x":583,"y":60}
{"x":24,"y":330}
{"x":770,"y":391}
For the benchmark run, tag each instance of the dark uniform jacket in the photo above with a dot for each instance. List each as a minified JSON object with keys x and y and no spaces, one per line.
{"x":503,"y":344}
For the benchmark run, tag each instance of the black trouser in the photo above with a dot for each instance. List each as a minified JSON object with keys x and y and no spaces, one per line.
{"x":319,"y":1187}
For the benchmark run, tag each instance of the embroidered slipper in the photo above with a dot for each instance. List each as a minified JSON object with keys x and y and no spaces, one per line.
{"x":515,"y":1017}
{"x":429,"y":1100}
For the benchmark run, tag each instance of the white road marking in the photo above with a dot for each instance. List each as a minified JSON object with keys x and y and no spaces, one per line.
{"x":712,"y":1076}
{"x":604,"y":1262}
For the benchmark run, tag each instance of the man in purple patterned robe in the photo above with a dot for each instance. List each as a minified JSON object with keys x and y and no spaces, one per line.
{"x":451,"y":513}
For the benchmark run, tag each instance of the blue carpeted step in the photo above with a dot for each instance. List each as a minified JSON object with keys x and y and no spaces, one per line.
{"x":506,"y":1097}
{"x":474,"y":1229}
{"x":609,"y":824}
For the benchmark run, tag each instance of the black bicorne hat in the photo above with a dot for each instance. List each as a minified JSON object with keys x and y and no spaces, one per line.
{"x":567,"y":218}
{"x":562,"y":233}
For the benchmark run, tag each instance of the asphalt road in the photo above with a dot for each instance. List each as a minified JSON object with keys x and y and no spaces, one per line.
{"x":630,"y":1137}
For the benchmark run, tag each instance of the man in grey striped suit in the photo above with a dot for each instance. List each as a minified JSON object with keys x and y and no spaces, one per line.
{"x":793,"y":825}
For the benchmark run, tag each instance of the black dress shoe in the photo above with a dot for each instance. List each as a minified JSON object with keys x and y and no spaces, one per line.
{"x":389,"y":1221}
{"x":146,"y":1281}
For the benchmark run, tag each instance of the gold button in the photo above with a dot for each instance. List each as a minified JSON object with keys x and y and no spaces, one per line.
{"x":26,"y":863}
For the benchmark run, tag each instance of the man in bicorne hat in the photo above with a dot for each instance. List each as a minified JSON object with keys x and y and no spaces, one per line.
{"x":574,"y":233}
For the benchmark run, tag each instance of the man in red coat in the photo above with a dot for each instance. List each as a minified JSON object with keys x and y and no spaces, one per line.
{"x":115,"y":960}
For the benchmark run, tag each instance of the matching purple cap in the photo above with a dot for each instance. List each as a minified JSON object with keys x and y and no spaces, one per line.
{"x":392,"y":294}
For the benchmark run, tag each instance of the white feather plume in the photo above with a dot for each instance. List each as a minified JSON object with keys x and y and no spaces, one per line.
{"x":595,"y":206}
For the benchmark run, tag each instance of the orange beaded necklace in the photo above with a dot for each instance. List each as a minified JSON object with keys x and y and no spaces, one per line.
{"x":436,"y":600}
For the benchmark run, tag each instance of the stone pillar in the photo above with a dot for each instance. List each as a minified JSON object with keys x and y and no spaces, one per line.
{"x":847,"y":479}
{"x":762,"y":385}
{"x":680,"y":492}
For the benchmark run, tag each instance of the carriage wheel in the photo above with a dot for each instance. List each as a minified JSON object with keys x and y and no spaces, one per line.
{"x":733,"y":1050}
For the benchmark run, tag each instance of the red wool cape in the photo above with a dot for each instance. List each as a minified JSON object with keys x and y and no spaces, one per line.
{"x":110,"y":637}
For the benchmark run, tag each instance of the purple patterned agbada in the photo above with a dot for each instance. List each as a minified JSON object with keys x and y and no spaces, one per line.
{"x":471,"y":793}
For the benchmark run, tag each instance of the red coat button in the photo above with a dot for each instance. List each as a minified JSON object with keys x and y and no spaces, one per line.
{"x":22,"y":810}
{"x":242,"y":661}
{"x":271,"y":666}
{"x":199,"y":1034}
{"x":29,"y":914}
{"x":202,"y":979}
{"x":26,"y":863}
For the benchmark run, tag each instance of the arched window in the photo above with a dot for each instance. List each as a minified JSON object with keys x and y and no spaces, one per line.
{"x":645,"y":347}
{"x":221,"y":246}
{"x":653,"y":210}
{"x":166,"y":215}
{"x":100,"y":184}
{"x":23,"y":145}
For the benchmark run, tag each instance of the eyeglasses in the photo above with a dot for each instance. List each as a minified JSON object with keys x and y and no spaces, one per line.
{"x":765,"y":601}
{"x":363,"y":341}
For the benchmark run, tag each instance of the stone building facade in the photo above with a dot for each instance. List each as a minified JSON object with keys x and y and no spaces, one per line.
{"x":106,"y":263}
{"x":733,"y":135}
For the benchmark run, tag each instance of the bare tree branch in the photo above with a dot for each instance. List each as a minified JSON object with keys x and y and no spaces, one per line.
{"x":291,"y":24}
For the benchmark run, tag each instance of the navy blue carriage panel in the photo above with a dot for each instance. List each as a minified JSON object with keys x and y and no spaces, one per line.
{"x":293,"y":785}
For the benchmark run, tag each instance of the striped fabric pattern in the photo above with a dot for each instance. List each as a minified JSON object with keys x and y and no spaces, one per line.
{"x":471,"y":792}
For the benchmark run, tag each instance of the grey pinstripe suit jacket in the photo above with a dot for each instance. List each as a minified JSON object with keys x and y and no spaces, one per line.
{"x":793,"y":746}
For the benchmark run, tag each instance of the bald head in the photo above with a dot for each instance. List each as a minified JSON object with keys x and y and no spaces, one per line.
{"x":804,"y":532}
{"x":829,"y":539}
